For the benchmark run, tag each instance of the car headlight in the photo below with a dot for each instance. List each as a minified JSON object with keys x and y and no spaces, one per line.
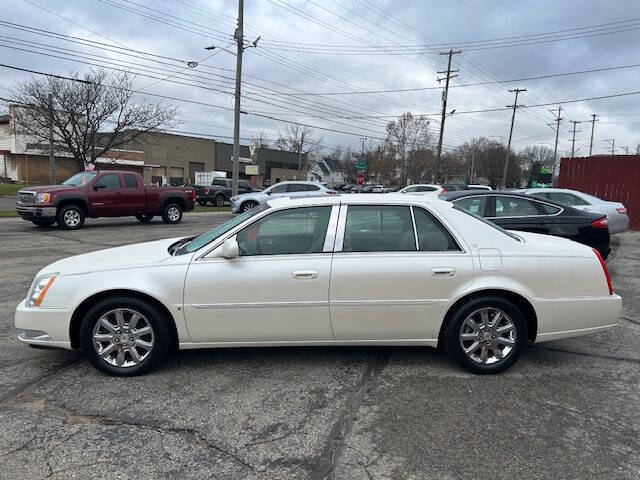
{"x":39,"y":289}
{"x":43,"y":197}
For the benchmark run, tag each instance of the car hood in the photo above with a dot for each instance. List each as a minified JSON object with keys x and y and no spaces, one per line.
{"x":47,"y":188}
{"x":128,"y":256}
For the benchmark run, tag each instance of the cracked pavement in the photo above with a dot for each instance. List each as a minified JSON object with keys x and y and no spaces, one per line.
{"x":568,"y":409}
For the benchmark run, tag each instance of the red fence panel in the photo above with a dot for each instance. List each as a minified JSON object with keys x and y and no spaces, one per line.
{"x":610,"y":177}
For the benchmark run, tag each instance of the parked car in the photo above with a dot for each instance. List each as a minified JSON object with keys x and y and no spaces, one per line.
{"x":422,"y":189}
{"x":367,"y":189}
{"x":380,"y":189}
{"x":346,"y":188}
{"x":219,"y":191}
{"x":517,"y":211}
{"x":454,"y":187}
{"x":247,"y":201}
{"x":616,"y":212}
{"x":108,"y":193}
{"x":450,"y":279}
{"x":479,"y":187}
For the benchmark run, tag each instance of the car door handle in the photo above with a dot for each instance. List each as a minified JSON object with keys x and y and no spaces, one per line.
{"x":443,"y":271}
{"x":304,"y":274}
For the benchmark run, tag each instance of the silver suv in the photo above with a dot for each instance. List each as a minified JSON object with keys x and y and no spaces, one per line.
{"x":293,"y":189}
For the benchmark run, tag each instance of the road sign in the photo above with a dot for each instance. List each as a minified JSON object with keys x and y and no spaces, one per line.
{"x":361,"y":166}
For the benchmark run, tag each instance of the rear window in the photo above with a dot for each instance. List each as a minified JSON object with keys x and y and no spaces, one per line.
{"x":130,"y":181}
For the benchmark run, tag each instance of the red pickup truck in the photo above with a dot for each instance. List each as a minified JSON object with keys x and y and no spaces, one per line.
{"x":96,"y":194}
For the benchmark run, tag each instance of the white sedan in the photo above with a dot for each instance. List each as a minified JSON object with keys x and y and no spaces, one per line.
{"x":338,"y":270}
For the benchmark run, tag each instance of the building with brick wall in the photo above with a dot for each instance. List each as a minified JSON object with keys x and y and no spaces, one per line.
{"x":25,"y":160}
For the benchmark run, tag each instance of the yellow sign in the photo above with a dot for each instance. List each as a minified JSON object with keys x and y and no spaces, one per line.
{"x":251,"y":169}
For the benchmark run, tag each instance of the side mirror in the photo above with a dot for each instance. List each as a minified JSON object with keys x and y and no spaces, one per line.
{"x":230,"y":248}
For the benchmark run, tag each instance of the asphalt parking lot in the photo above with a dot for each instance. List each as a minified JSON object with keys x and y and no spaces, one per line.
{"x":568,"y":409}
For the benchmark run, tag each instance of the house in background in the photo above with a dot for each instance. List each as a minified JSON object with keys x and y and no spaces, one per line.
{"x":327,"y":170}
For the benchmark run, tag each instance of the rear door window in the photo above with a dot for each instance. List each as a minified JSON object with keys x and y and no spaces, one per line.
{"x":379,"y":229}
{"x":475,"y":205}
{"x":130,"y":181}
{"x":515,"y":207}
{"x":432,"y":235}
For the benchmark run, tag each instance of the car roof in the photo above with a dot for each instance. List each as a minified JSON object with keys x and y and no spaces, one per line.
{"x":358,"y":199}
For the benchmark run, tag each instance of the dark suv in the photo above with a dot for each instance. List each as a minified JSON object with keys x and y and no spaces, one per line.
{"x":219,"y":191}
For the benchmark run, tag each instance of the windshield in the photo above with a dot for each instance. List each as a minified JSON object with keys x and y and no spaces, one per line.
{"x":80,"y":179}
{"x":491,"y":224}
{"x":207,"y":237}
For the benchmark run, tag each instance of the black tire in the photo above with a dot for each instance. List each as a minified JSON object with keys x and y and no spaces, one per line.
{"x":454,"y":345}
{"x":202,"y":203}
{"x":218,"y":200}
{"x":44,"y":223}
{"x":248,"y":205}
{"x":70,"y":217}
{"x":144,"y":218}
{"x":172,"y":214}
{"x":159,"y":338}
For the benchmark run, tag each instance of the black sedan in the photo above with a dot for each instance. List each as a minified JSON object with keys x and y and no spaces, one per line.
{"x":515,"y":211}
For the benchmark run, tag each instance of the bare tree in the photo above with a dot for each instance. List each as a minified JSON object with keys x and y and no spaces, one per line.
{"x":300,"y":140}
{"x":638,"y":149}
{"x":90,"y":115}
{"x":405,"y":135}
{"x":489,"y":160}
{"x":260,"y":140}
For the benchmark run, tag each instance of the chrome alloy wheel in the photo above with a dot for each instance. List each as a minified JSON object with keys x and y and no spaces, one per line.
{"x":488,"y":336}
{"x":71,"y":218}
{"x":123,"y":337}
{"x":173,"y":213}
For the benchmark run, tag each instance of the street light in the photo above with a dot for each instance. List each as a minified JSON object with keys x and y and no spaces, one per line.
{"x":235,"y":171}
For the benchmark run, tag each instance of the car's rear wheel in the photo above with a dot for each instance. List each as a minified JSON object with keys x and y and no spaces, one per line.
{"x":144,"y":218}
{"x":124,"y":336}
{"x":44,"y":223}
{"x":172,"y":214}
{"x":486,"y":335}
{"x":248,"y":205}
{"x":218,"y":200}
{"x":70,"y":217}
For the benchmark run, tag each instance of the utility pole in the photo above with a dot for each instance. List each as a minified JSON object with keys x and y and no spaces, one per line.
{"x":513,"y":118}
{"x":626,"y":150}
{"x":593,"y":124}
{"x":573,"y":139}
{"x":612,"y":142}
{"x":555,"y":148}
{"x":445,"y":93}
{"x":473,"y":164}
{"x":301,"y":146}
{"x":52,"y":158}
{"x":362,"y":139}
{"x":239,"y":38}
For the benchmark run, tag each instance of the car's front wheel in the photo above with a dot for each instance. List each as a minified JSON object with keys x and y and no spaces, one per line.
{"x":218,"y":200}
{"x":486,"y":335}
{"x":70,"y":217}
{"x":248,"y":205}
{"x":124,"y":336}
{"x":172,"y":214}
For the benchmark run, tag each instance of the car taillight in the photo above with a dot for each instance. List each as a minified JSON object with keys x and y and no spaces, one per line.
{"x":331,"y":192}
{"x":444,"y":190}
{"x":604,"y":269}
{"x":600,"y":223}
{"x":206,"y":191}
{"x":622,"y":210}
{"x":193,"y":195}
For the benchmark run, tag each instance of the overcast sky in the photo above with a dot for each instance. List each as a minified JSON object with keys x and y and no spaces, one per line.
{"x":338,"y":46}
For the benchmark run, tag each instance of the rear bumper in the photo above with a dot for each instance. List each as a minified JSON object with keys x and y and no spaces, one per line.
{"x":572,"y":317}
{"x":43,"y":326}
{"x":36,"y":213}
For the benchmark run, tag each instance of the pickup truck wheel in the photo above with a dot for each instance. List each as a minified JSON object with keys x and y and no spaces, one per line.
{"x":248,"y":205}
{"x":44,"y":223}
{"x":124,"y":336}
{"x":172,"y":214}
{"x":70,"y":217}
{"x":144,"y":218}
{"x":218,"y":200}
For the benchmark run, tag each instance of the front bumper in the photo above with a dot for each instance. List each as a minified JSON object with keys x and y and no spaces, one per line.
{"x":235,"y":206}
{"x":36,"y":213}
{"x":43,"y":326}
